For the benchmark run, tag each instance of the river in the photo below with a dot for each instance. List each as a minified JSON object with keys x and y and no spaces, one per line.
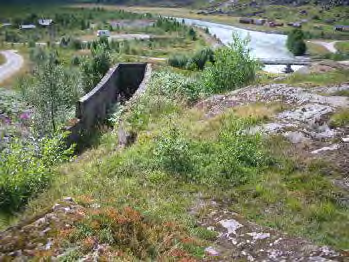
{"x":263,"y":45}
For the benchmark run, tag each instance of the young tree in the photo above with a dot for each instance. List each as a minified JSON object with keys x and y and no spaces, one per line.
{"x":53,"y":91}
{"x":295,"y":42}
{"x":93,"y":69}
{"x":233,"y":68}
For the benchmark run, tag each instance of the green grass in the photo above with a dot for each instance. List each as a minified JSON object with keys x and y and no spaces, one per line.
{"x":2,"y":59}
{"x":340,"y":118}
{"x":315,"y":50}
{"x":318,"y":79}
{"x":342,"y":47}
{"x":342,"y":93}
{"x":288,"y":195}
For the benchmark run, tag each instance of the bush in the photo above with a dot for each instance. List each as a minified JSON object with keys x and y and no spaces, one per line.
{"x":94,"y":69}
{"x":174,"y":86}
{"x":26,"y":169}
{"x":295,"y":42}
{"x":196,"y":61}
{"x":52,"y":91}
{"x":178,"y":60}
{"x":235,"y":157}
{"x":75,"y":44}
{"x":172,"y":152}
{"x":233,"y":68}
{"x":201,"y":57}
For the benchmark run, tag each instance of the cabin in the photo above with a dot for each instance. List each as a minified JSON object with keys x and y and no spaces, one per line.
{"x":27,"y":27}
{"x":275,"y":24}
{"x":245,"y":20}
{"x":45,"y":22}
{"x":342,"y":28}
{"x":296,"y":24}
{"x":101,"y":33}
{"x":259,"y":21}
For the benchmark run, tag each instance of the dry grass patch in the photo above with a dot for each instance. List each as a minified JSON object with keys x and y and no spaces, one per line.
{"x":259,"y":111}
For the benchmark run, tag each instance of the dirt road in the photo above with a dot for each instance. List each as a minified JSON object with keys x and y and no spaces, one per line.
{"x":13,"y":63}
{"x":330,"y":46}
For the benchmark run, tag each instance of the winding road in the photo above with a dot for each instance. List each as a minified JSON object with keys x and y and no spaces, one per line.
{"x":13,"y":64}
{"x":330,"y":46}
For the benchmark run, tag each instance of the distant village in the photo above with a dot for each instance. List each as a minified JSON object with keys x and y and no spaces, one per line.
{"x":273,"y":23}
{"x":39,"y":22}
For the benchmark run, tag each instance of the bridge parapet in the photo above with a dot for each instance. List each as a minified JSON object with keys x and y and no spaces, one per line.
{"x":303,"y":62}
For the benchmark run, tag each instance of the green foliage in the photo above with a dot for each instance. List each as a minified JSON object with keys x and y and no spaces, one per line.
{"x":192,"y":34}
{"x":233,"y":68}
{"x":196,"y":61}
{"x":340,"y":118}
{"x":94,"y":69}
{"x":172,"y":153}
{"x":235,"y":157}
{"x":174,"y":86}
{"x":178,"y":60}
{"x":295,"y":42}
{"x":27,"y":168}
{"x":201,"y":58}
{"x":53,"y":91}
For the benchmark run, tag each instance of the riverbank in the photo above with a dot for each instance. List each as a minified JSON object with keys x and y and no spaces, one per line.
{"x":189,"y":13}
{"x":2,"y":59}
{"x":311,"y":28}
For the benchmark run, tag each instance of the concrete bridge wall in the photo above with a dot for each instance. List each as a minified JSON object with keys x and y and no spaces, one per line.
{"x":118,"y":85}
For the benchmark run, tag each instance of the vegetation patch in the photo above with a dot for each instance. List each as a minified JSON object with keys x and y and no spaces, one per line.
{"x":343,"y":47}
{"x":318,"y":79}
{"x":340,"y":118}
{"x":295,"y":42}
{"x":259,"y":111}
{"x":2,"y":59}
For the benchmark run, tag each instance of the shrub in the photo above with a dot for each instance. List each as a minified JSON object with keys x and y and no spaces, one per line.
{"x":201,"y":57}
{"x":76,"y":61}
{"x":192,"y":34}
{"x":233,"y":68}
{"x":178,"y":60}
{"x":235,"y":157}
{"x":94,"y":69}
{"x":172,"y":152}
{"x":174,"y":86}
{"x":75,"y":44}
{"x":295,"y":42}
{"x":26,"y":169}
{"x":52,"y":92}
{"x":196,"y":61}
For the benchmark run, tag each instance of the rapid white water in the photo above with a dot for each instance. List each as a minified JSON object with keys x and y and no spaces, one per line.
{"x":263,"y":45}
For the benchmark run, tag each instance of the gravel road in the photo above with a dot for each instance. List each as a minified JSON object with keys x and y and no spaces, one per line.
{"x":13,"y":63}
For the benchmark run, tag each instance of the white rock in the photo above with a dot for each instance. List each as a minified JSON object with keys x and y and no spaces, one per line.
{"x":257,"y":236}
{"x":326,"y":148}
{"x":231,"y":225}
{"x":210,"y":228}
{"x":211,"y":251}
{"x":68,"y":199}
{"x":345,"y":139}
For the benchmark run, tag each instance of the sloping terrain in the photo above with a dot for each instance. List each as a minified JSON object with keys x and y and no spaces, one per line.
{"x":295,"y":208}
